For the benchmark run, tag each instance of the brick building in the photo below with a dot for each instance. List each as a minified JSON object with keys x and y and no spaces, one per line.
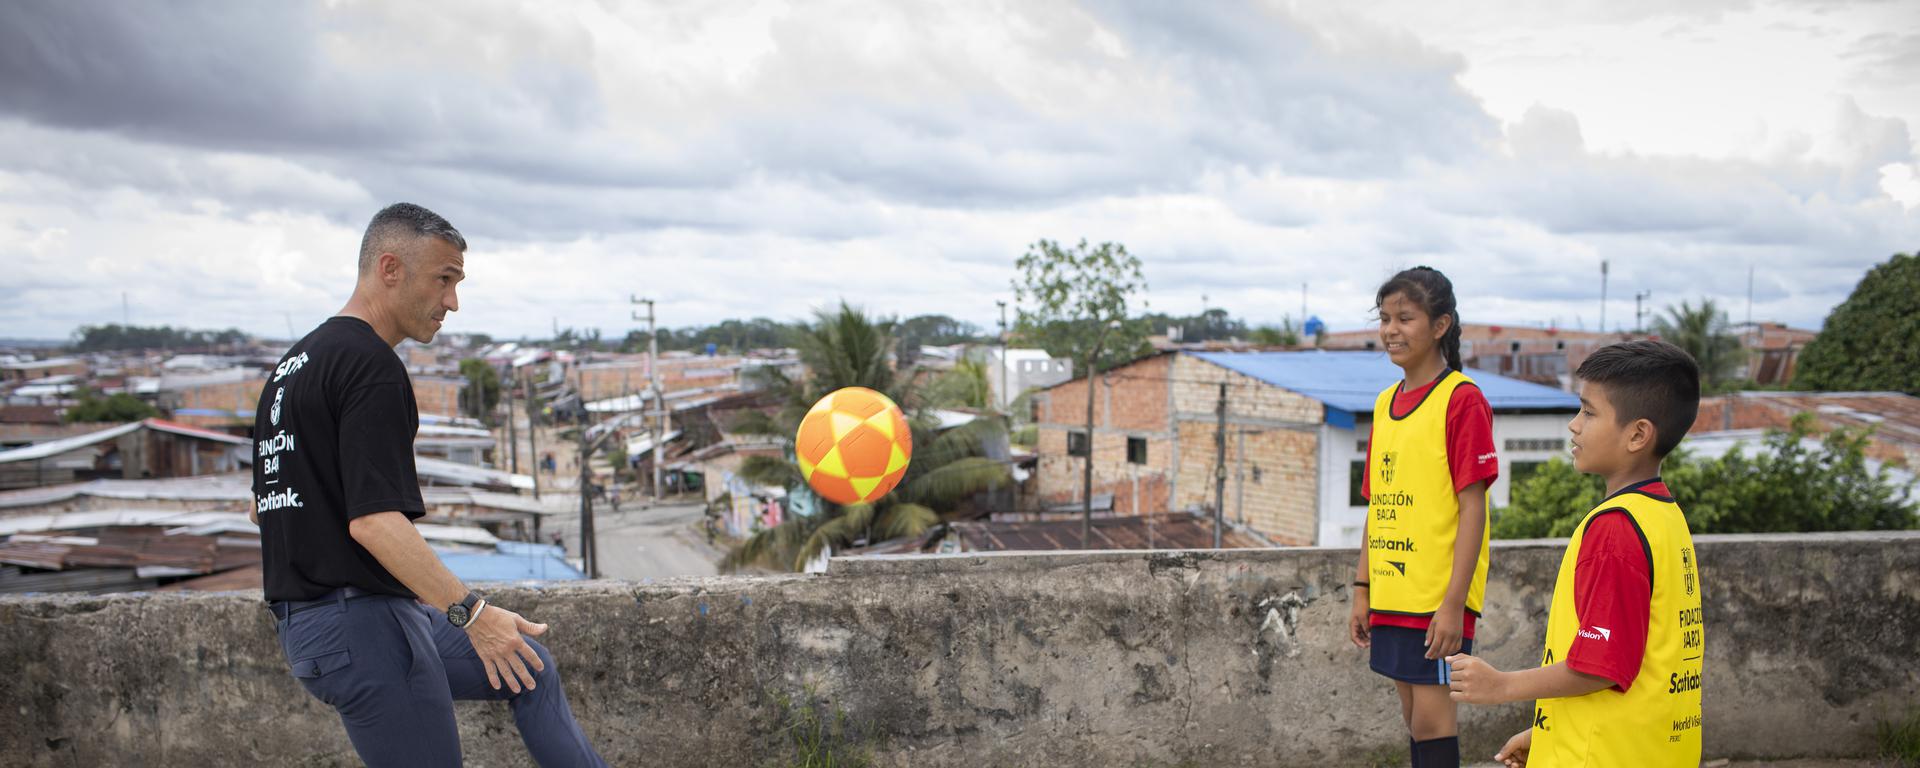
{"x":1296,"y":426}
{"x":438,"y":395}
{"x":1894,"y":418}
{"x":224,"y":399}
{"x":628,"y":375}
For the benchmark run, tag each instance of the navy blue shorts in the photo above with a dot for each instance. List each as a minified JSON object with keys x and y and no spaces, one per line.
{"x":1401,"y":653}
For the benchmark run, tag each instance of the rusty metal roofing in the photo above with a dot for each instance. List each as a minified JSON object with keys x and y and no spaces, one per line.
{"x":135,"y":547}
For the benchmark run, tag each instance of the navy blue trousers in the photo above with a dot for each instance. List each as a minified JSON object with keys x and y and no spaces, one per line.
{"x":392,"y":668}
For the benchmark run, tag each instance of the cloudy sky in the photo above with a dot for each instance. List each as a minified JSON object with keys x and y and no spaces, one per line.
{"x":214,"y":162}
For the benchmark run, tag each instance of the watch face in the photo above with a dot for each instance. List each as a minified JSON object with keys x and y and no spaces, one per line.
{"x":457,"y":614}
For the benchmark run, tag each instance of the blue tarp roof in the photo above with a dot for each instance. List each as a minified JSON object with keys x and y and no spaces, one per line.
{"x":511,"y":561}
{"x":1348,"y":382}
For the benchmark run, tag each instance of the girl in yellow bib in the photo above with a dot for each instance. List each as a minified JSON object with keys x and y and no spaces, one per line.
{"x":1423,"y":570}
{"x":1619,"y":681}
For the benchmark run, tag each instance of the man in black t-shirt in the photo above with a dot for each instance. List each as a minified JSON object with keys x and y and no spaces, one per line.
{"x":348,"y":577}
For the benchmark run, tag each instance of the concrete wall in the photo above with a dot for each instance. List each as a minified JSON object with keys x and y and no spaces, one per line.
{"x":1108,"y":659}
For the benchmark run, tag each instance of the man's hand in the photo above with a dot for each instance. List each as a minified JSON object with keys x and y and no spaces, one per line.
{"x":496,"y":636}
{"x":1514,"y":754}
{"x":1357,"y":630}
{"x":1477,"y":682}
{"x":1444,"y":632}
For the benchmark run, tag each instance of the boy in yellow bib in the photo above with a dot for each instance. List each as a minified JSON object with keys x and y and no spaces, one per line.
{"x":1620,"y":680}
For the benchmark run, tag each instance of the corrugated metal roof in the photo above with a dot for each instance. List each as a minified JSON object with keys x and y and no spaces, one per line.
{"x":512,"y":561}
{"x":1350,"y":381}
{"x":466,"y":474}
{"x":195,"y":432}
{"x":64,"y":445}
{"x":110,"y":518}
{"x":53,"y":448}
{"x":233,"y":487}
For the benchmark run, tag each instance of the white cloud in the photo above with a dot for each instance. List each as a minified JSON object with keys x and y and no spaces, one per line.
{"x":766,"y":159}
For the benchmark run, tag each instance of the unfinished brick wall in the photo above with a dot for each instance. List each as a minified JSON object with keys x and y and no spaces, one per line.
{"x":599,"y":381}
{"x":1272,"y":450}
{"x":237,"y":397}
{"x":1272,"y":445}
{"x":438,"y":395}
{"x":1129,"y":402}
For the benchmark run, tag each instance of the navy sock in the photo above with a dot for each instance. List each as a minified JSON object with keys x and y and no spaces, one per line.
{"x":1437,"y":753}
{"x":1413,"y":748}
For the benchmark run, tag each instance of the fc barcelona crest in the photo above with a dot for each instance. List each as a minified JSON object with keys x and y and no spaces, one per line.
{"x":1386,"y":466}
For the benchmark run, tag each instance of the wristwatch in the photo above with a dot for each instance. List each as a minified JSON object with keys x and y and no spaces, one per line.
{"x":461,"y":613}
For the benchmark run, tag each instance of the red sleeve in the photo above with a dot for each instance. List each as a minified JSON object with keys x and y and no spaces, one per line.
{"x":1470,"y":438}
{"x":1612,"y":595}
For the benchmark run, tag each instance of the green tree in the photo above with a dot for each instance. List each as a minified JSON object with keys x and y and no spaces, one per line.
{"x":1069,"y":297}
{"x":1702,"y":331}
{"x":1866,"y":343}
{"x":1286,"y":334}
{"x":117,"y":337}
{"x":1791,"y":483}
{"x":845,"y":348}
{"x":965,"y":386}
{"x":118,"y":408}
{"x":933,"y":331}
{"x":1797,"y":481}
{"x":1549,"y":502}
{"x":1214,"y":324}
{"x":482,"y":395}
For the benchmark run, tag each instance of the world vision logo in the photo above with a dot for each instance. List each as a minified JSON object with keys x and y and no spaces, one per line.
{"x":1386,"y":466}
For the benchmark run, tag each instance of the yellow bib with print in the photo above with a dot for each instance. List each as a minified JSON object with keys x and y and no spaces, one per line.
{"x":1656,"y":722}
{"x":1413,"y":513}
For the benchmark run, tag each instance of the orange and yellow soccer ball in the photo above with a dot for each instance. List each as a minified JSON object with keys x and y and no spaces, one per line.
{"x":853,"y":446}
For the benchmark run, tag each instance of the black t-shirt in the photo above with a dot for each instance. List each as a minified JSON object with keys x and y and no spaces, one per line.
{"x":333,"y":440}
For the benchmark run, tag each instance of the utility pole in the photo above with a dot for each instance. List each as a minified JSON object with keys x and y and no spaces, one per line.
{"x":1603,"y":295}
{"x":1086,"y":484}
{"x":653,"y":390}
{"x":533,"y":429}
{"x":1006,"y":398}
{"x":1639,"y":313}
{"x":589,"y":554}
{"x":513,"y":434}
{"x":1219,"y":464}
{"x":1752,"y":332}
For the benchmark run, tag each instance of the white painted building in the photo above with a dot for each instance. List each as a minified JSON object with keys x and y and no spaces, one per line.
{"x":1021,"y":370}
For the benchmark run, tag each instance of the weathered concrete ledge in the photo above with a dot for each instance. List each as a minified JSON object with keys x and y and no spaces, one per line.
{"x":1202,"y":658}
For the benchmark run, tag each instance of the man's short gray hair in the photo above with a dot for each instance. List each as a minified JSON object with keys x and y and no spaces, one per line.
{"x":404,"y":221}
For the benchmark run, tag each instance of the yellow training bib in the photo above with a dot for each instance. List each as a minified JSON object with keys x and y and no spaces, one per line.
{"x":1656,"y":722}
{"x":1413,"y":514}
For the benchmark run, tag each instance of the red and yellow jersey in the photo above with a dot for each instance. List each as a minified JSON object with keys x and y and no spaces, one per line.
{"x":1656,"y":721}
{"x":1413,"y":512}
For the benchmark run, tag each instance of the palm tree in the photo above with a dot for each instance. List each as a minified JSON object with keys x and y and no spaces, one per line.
{"x":1702,"y":331}
{"x":966,"y":386}
{"x":844,"y":348}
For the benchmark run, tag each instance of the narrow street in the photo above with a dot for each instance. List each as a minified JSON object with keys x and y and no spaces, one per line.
{"x":657,"y":543}
{"x":639,"y":543}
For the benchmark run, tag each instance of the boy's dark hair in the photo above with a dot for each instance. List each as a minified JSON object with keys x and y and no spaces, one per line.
{"x":1651,"y":380}
{"x":1433,"y":292}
